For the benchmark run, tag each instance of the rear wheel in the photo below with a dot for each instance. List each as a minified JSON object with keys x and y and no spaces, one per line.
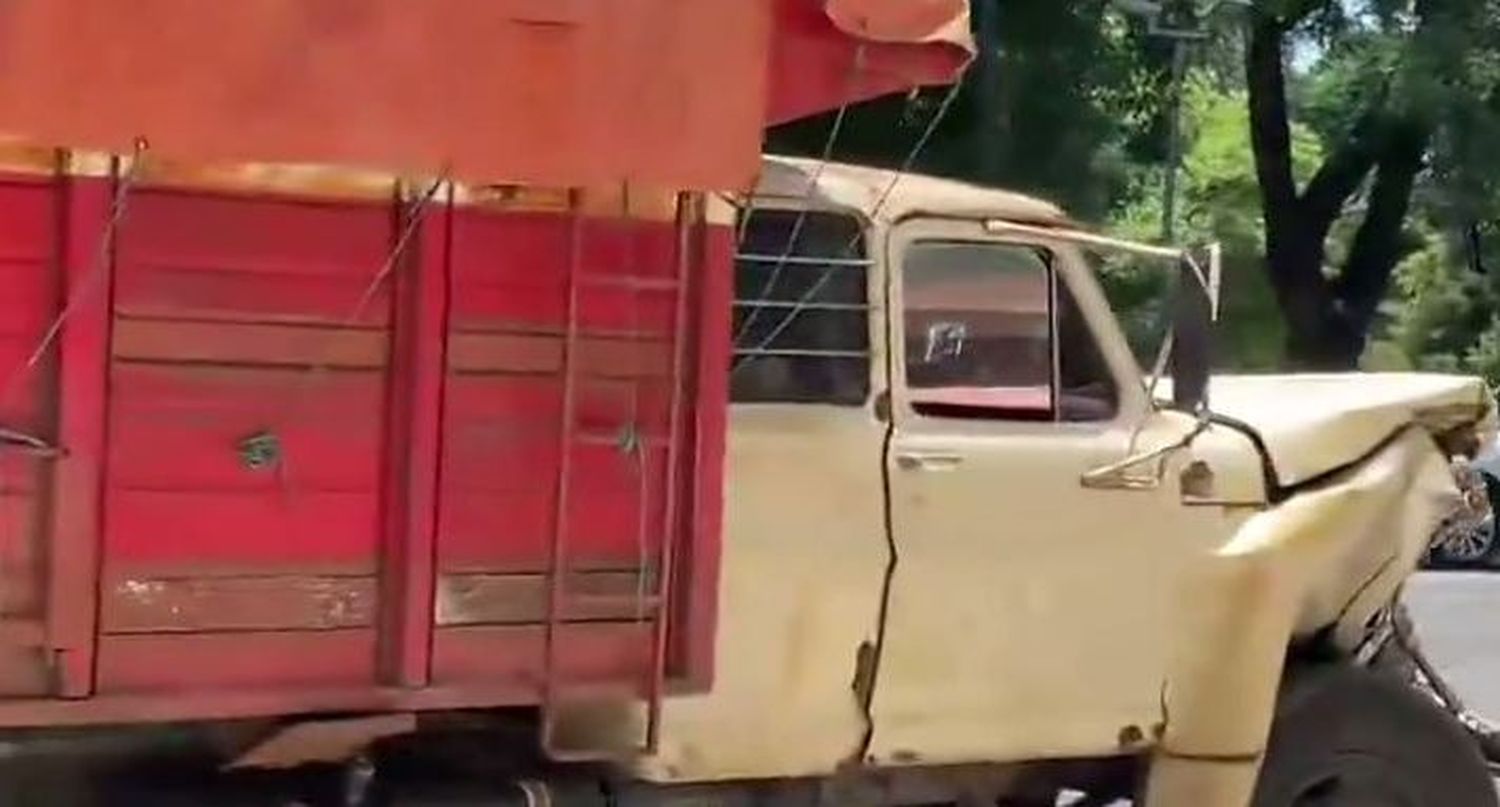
{"x":1346,"y":737}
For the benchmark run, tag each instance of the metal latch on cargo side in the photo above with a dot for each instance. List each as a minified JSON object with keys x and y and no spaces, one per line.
{"x":27,"y":443}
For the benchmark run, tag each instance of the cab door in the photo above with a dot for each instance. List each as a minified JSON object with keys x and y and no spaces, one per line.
{"x":1027,"y":615}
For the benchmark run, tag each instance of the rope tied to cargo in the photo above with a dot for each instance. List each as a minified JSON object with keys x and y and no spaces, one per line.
{"x":856,"y":75}
{"x":279,"y":460}
{"x":801,"y":303}
{"x":92,"y":281}
{"x":631,"y":442}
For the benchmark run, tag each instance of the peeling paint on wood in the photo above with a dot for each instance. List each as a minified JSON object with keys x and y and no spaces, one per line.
{"x":498,"y":599}
{"x":238,"y":603}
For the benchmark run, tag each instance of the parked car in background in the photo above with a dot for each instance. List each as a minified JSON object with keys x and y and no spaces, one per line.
{"x":1467,"y":540}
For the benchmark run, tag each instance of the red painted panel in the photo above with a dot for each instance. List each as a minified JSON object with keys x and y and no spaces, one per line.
{"x":512,"y":268}
{"x":491,"y":654}
{"x":20,"y":556}
{"x":221,"y":604}
{"x":179,"y":428}
{"x":500,"y":504}
{"x":250,"y":258}
{"x":401,"y":472}
{"x":245,"y":532}
{"x":414,"y":454}
{"x":176,"y":663}
{"x":203,"y":342}
{"x":30,"y":295}
{"x":696,"y":599}
{"x":79,"y":474}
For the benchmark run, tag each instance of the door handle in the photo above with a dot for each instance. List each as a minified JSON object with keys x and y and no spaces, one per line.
{"x":928,"y":461}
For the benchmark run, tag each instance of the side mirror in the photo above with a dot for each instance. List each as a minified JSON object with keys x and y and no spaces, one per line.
{"x":1194,"y":311}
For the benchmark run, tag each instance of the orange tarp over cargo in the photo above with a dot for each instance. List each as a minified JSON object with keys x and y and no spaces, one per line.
{"x":545,"y":91}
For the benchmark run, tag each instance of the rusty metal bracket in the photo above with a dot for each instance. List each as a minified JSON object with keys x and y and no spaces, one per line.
{"x":28,"y":444}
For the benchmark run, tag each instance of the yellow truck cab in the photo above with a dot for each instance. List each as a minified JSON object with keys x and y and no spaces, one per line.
{"x":965,"y":534}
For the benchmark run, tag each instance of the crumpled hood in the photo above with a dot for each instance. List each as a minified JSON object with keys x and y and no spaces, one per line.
{"x":1313,"y":424}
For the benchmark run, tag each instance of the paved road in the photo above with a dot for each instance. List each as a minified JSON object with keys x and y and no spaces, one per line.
{"x":1458,"y":620}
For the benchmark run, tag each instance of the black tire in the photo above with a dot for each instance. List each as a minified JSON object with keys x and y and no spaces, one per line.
{"x":1347,"y":737}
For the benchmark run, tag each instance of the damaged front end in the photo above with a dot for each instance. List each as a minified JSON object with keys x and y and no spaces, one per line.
{"x":1467,"y":536}
{"x":1319,"y":573}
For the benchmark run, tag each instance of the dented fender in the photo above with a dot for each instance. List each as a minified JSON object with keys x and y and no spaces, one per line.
{"x":1322,"y":562}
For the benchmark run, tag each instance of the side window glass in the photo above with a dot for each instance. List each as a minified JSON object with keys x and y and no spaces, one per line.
{"x":801,"y":311}
{"x":992,"y":333}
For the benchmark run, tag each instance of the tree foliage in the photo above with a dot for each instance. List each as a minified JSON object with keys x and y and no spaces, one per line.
{"x":1343,"y":151}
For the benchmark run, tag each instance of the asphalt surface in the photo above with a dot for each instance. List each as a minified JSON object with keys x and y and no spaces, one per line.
{"x":1458,"y":621}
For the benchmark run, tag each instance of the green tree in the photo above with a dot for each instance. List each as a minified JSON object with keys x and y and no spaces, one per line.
{"x":1063,"y":100}
{"x":1220,"y":202}
{"x":1402,"y":96}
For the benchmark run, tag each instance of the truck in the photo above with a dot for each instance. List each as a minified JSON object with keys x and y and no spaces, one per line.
{"x":877,"y":506}
{"x":842,"y":487}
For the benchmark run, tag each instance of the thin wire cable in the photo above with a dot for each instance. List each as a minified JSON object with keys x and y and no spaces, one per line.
{"x":634,"y":442}
{"x":316,"y":370}
{"x":119,"y":204}
{"x":856,"y":69}
{"x":856,"y":73}
{"x":906,"y":164}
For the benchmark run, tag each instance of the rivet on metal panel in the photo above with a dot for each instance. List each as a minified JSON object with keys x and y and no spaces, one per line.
{"x":261,"y":451}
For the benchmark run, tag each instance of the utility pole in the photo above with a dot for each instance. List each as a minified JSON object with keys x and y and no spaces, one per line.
{"x":1174,"y":143}
{"x":1181,"y":22}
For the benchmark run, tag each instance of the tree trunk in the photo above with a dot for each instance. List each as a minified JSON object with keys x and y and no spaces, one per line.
{"x":1327,"y":318}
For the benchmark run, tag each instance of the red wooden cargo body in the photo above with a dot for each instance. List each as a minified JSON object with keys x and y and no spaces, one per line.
{"x":293,"y":476}
{"x":283,"y":440}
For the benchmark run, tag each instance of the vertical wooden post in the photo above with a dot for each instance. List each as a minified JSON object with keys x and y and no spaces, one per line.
{"x":414,"y":444}
{"x":77,"y":521}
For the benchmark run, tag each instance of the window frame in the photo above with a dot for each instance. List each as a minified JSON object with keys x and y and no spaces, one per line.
{"x":872,"y":358}
{"x":1068,"y":267}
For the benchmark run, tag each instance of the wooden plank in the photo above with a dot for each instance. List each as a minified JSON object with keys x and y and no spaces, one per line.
{"x":414,"y":440}
{"x":21,"y":558}
{"x":695,"y":616}
{"x":249,"y":343}
{"x":249,"y":294}
{"x":78,"y":480}
{"x":278,"y":235}
{"x":181,"y":427}
{"x":503,"y":599}
{"x":245,"y":531}
{"x":586,"y":652}
{"x":182,"y":663}
{"x":206,"y":604}
{"x":483,"y":530}
{"x":473,"y":352}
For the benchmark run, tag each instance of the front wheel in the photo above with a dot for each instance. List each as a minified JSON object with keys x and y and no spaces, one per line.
{"x":1347,"y":737}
